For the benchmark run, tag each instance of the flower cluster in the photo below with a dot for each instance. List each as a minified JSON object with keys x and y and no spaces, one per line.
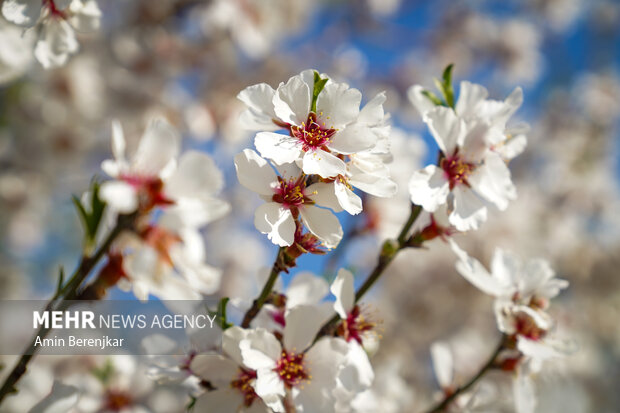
{"x":307,"y":347}
{"x":55,"y":22}
{"x":327,"y":147}
{"x":474,"y":144}
{"x":522,"y":292}
{"x":171,"y":200}
{"x":278,"y":364}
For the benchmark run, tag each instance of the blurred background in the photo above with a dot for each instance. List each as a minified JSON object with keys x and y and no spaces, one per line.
{"x":188,"y":59}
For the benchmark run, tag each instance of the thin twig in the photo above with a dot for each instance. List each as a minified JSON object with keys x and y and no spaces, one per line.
{"x":276,"y":269}
{"x":68,"y":292}
{"x":491,"y":362}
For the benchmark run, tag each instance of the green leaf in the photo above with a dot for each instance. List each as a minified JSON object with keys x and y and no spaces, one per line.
{"x":433,"y":98}
{"x":221,"y":314}
{"x":61,"y":280}
{"x":91,"y":218}
{"x":447,"y":88}
{"x":319,"y":84}
{"x":104,"y":373}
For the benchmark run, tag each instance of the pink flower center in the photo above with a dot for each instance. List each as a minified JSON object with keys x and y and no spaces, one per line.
{"x":291,"y":193}
{"x":149,"y":190}
{"x":456,"y":170}
{"x":527,"y":327}
{"x":53,"y":9}
{"x":244,"y":384}
{"x":116,"y":400}
{"x":161,"y":240}
{"x":312,"y":135}
{"x":290,"y":367}
{"x":355,"y":326}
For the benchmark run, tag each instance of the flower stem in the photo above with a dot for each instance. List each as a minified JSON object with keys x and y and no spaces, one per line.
{"x":388,"y":252}
{"x":68,"y":292}
{"x":276,"y":269}
{"x":442,"y":405}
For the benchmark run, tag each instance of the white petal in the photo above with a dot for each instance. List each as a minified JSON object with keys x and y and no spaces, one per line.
{"x":277,"y":222}
{"x":349,"y":201}
{"x":270,"y":388}
{"x":322,"y":223}
{"x":306,"y":288}
{"x":277,"y":147}
{"x":55,"y":44}
{"x":523,"y":390}
{"x":61,"y":399}
{"x":492,"y":181}
{"x":446,"y":127}
{"x":443,"y":363}
{"x":230,"y":342}
{"x":292,"y":101}
{"x":470,"y":96}
{"x":197,"y":175}
{"x":260,"y":113}
{"x":338,"y":105}
{"x":469,"y":210}
{"x":24,"y":13}
{"x":543,"y":350}
{"x":260,"y":349}
{"x":357,"y":374}
{"x":302,"y":324}
{"x":119,"y":195}
{"x":474,"y":272}
{"x":344,"y":291}
{"x":429,"y":188}
{"x":254,"y":172}
{"x":322,"y":163}
{"x":218,"y":370}
{"x":379,"y":186}
{"x":419,"y":101}
{"x":86,"y":15}
{"x":511,"y":148}
{"x":324,"y":195}
{"x":372,"y":113}
{"x":352,"y":139}
{"x":118,"y":141}
{"x":159,"y":146}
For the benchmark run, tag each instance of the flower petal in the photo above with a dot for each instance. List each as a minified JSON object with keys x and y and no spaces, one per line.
{"x":196,"y":175}
{"x":349,"y":201}
{"x":302,"y":324}
{"x":469,"y":211}
{"x":119,"y":195}
{"x":344,"y":291}
{"x":322,"y":223}
{"x":277,"y":147}
{"x":322,"y":163}
{"x":492,"y":181}
{"x":429,"y":188}
{"x":216,"y":369}
{"x":55,"y":44}
{"x":254,"y":172}
{"x":446,"y":127}
{"x":443,"y":364}
{"x":306,"y":288}
{"x":292,"y":101}
{"x":260,"y":112}
{"x":474,"y":272}
{"x":352,"y":139}
{"x":470,"y":96}
{"x":23,"y":13}
{"x":338,"y":104}
{"x":158,"y":147}
{"x":418,"y":100}
{"x":277,"y":222}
